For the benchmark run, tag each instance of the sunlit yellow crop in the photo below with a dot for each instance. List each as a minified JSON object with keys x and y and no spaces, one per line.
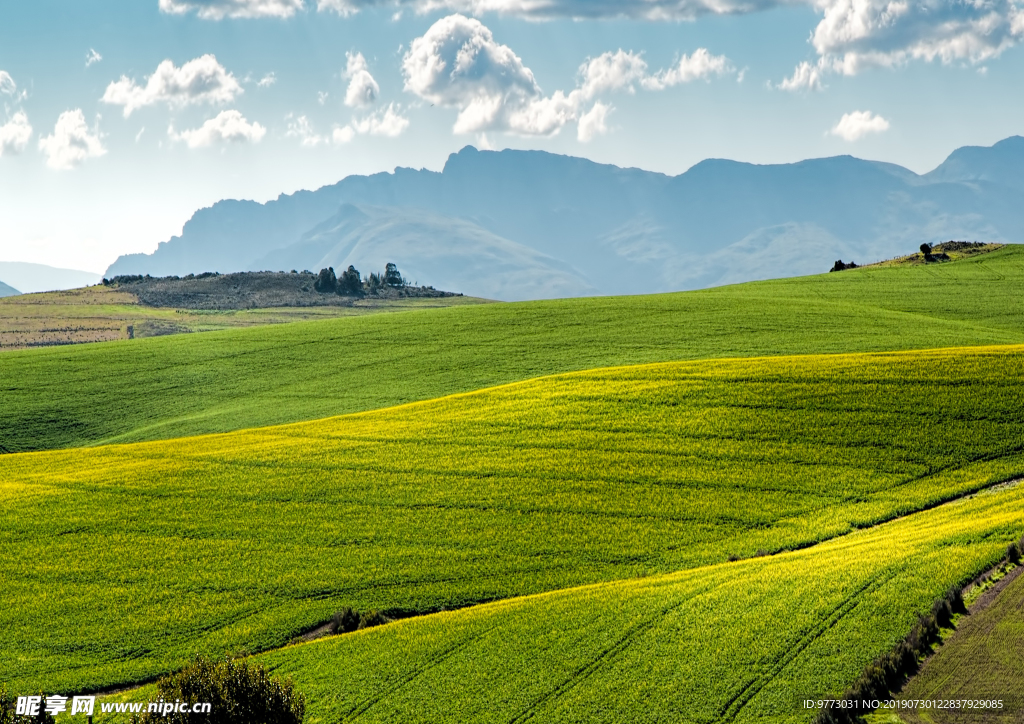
{"x":120,"y":562}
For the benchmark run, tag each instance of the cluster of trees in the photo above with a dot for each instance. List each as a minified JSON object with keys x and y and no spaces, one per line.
{"x":350,"y":283}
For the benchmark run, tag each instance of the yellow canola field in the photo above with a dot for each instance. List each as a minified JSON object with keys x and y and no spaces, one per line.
{"x":121,"y":562}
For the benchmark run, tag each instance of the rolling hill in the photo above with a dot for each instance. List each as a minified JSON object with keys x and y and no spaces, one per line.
{"x":571,"y":226}
{"x":219,"y":381}
{"x":240,"y":541}
{"x":737,"y":642}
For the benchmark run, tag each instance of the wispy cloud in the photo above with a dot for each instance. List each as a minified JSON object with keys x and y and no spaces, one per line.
{"x":220,"y":9}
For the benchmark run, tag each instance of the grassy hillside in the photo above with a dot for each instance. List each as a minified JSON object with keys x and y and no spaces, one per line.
{"x":734,"y":642}
{"x":240,"y":541}
{"x":981,"y":661}
{"x":186,"y":385}
{"x":103,"y":314}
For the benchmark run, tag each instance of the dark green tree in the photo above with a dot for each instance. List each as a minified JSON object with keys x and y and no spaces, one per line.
{"x":392,"y":277}
{"x":350,"y":283}
{"x":326,"y":282}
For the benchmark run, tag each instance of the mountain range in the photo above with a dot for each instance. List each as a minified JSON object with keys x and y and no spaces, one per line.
{"x":530,"y":224}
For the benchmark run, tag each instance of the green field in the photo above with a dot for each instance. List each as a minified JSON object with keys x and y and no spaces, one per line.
{"x":734,"y":642}
{"x":982,"y":661}
{"x":122,"y":561}
{"x":220,"y":381}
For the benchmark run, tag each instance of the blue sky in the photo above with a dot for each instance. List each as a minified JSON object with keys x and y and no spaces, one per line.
{"x":121,"y":117}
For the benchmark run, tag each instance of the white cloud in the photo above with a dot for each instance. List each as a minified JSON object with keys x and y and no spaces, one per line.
{"x":226,"y":127}
{"x":15,"y":134}
{"x":387,"y":121}
{"x":856,"y":125}
{"x":593,"y":123}
{"x":343,"y":135}
{"x":202,"y":80}
{"x":302,"y":129}
{"x":220,"y":9}
{"x":71,"y":142}
{"x":701,"y":65}
{"x":321,"y":97}
{"x":857,"y":34}
{"x":92,"y":57}
{"x":805,"y":77}
{"x":362,"y":88}
{"x":611,"y":72}
{"x":458,"y":64}
{"x":544,"y":9}
{"x":861,"y":33}
{"x":266,"y":81}
{"x":7,"y":84}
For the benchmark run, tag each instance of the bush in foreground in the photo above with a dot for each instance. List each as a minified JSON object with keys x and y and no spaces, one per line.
{"x":238,"y":691}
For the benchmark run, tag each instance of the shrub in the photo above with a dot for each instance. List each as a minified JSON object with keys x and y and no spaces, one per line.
{"x":926,"y":249}
{"x":238,"y":691}
{"x":373,"y":618}
{"x":344,"y":621}
{"x":1013,"y":553}
{"x":9,"y":715}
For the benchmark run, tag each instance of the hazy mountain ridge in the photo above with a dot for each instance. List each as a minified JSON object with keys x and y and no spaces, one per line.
{"x":27,"y":278}
{"x":528,"y":224}
{"x":6,"y":290}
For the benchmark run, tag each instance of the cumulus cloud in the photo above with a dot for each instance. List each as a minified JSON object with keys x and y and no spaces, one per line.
{"x":593,"y":123}
{"x":71,"y":142}
{"x":457,"y":63}
{"x":362,"y":88}
{"x":386,"y":121}
{"x":7,"y":84}
{"x":202,"y":80}
{"x":92,"y":57}
{"x":220,"y":9}
{"x":226,"y":127}
{"x":856,"y":125}
{"x":15,"y":134}
{"x":857,"y":34}
{"x":611,"y":72}
{"x":266,"y":81}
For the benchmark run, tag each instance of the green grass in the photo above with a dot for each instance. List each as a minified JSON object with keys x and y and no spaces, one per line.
{"x":220,"y":381}
{"x":735,"y":642}
{"x":981,"y":661}
{"x":120,"y":562}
